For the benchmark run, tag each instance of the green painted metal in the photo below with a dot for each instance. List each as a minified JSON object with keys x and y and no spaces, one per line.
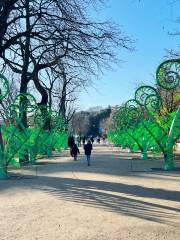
{"x":4,"y":87}
{"x":138,"y":124}
{"x":168,"y":74}
{"x":46,"y":131}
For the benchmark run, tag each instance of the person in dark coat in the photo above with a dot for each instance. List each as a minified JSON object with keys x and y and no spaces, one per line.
{"x":83,"y":140}
{"x":80,"y":139}
{"x":92,"y":140}
{"x":75,"y":151}
{"x":87,"y":150}
{"x":71,"y":143}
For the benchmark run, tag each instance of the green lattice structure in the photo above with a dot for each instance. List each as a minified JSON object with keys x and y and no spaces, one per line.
{"x":138,"y":125}
{"x":168,"y":77}
{"x":46,"y":131}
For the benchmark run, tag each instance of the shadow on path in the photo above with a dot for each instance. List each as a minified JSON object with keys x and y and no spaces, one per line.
{"x":114,"y":197}
{"x":122,"y":198}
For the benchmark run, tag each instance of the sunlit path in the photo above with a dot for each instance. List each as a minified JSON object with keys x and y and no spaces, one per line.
{"x":89,"y":120}
{"x":106,"y":201}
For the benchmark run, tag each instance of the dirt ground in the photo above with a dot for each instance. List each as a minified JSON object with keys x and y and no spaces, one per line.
{"x":113,"y":199}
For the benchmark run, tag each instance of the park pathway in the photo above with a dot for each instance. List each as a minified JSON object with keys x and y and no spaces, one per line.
{"x":107,"y":201}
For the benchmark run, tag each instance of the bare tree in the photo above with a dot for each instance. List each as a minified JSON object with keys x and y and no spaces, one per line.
{"x":80,"y":123}
{"x":62,"y":89}
{"x":174,"y":53}
{"x":43,"y":34}
{"x":4,"y":105}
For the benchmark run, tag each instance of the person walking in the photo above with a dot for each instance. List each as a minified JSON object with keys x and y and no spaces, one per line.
{"x":87,"y":150}
{"x":79,"y":141}
{"x":71,"y":143}
{"x":83,"y":140}
{"x":75,"y":151}
{"x":92,"y":139}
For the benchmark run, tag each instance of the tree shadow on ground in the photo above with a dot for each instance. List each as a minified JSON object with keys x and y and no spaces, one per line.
{"x":104,"y":195}
{"x":125,"y":199}
{"x":115,"y":197}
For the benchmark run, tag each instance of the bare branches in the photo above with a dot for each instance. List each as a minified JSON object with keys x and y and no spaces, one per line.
{"x":57,"y":46}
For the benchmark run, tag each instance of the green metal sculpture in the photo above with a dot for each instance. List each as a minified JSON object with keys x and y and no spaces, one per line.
{"x":139,"y":126}
{"x":44,"y":133}
{"x":168,"y":74}
{"x":4,"y":87}
{"x":168,"y":77}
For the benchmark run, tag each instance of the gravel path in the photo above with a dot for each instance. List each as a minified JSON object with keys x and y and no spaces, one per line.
{"x":107,"y":201}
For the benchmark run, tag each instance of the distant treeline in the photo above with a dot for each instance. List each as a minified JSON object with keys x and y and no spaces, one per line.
{"x":93,"y":122}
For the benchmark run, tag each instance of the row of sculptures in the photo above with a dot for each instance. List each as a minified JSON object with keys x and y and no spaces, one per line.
{"x":143,"y":124}
{"x":29,"y":131}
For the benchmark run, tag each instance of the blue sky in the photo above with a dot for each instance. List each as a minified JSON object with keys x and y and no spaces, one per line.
{"x":148,"y":22}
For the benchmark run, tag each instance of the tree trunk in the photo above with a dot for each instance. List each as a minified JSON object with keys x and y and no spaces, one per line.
{"x":5,"y":9}
{"x":44,"y":102}
{"x":24,"y":78}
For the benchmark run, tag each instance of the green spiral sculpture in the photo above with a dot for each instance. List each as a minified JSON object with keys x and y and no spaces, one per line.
{"x":168,"y":74}
{"x":42,"y":113}
{"x":4,"y":90}
{"x":153,"y":103}
{"x":23,"y":103}
{"x":133,"y":113}
{"x":140,"y":123}
{"x":12,"y":112}
{"x":148,"y":97}
{"x":26,"y":102}
{"x":4,"y":87}
{"x":19,"y":142}
{"x":168,"y":77}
